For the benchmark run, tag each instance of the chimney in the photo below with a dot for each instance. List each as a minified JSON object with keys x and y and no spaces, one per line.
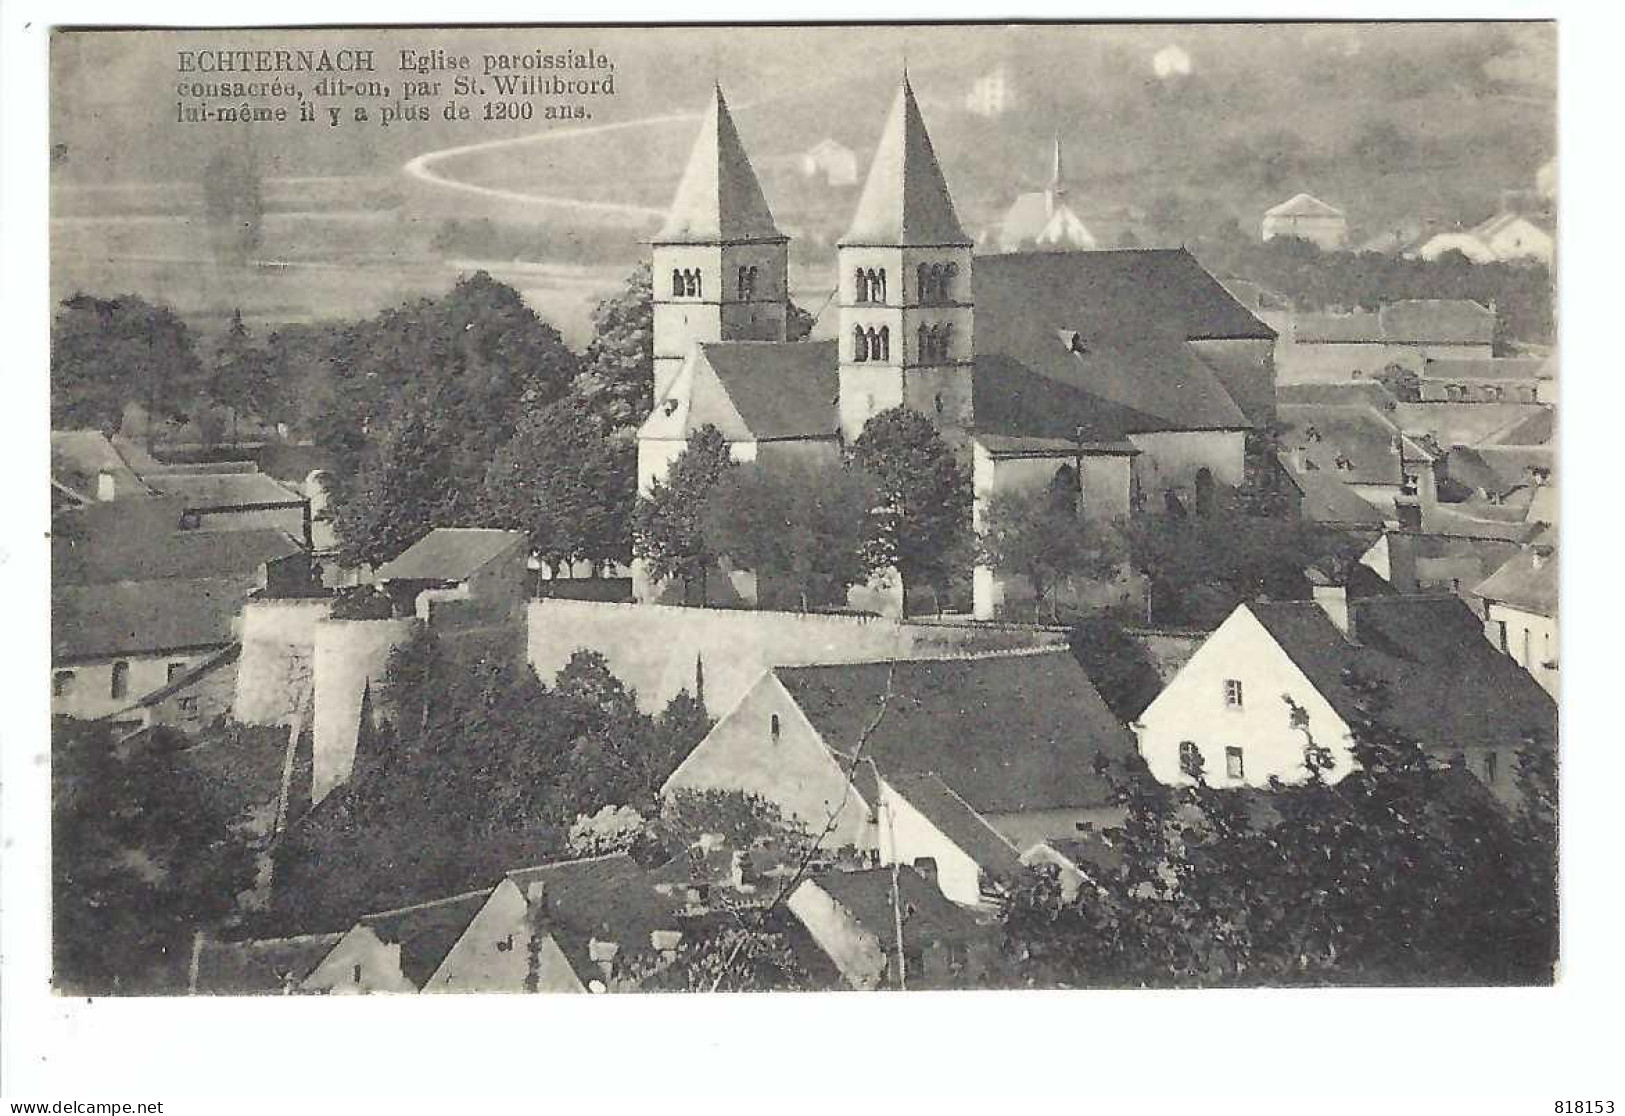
{"x":536,"y":893}
{"x":1334,"y":602}
{"x":106,"y":486}
{"x":926,"y":867}
{"x":1538,"y":556}
{"x":1408,"y":513}
{"x":1299,"y":458}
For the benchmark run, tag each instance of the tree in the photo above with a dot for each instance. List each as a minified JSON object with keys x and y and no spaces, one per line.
{"x":666,"y":524}
{"x":565,"y":484}
{"x":801,"y":527}
{"x":141,"y":857}
{"x":240,"y":376}
{"x":923,"y":496}
{"x":106,"y":353}
{"x":405,"y":494}
{"x":616,"y":383}
{"x":1040,"y":535}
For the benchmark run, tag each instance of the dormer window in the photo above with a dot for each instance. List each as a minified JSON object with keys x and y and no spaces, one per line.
{"x":669,"y":407}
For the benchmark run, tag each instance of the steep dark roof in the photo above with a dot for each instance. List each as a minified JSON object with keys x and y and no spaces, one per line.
{"x":955,"y":819}
{"x":905,"y":199}
{"x":928,"y":915}
{"x":1104,"y":295}
{"x":611,"y":898}
{"x":1444,"y":683}
{"x":1327,"y":499}
{"x":1011,"y":401}
{"x":449,"y":554}
{"x":426,"y":932}
{"x":1527,"y":581}
{"x":132,"y":618}
{"x":780,"y":390}
{"x":79,"y":456}
{"x":1536,"y":430}
{"x":718,"y":198}
{"x":265,"y":967}
{"x":1364,"y":437}
{"x":1007,"y":732}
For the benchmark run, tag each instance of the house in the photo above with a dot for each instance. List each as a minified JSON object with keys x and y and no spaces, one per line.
{"x":94,"y":467}
{"x":1279,"y":686}
{"x":1304,"y":217}
{"x":114,"y":643}
{"x":891,"y":928}
{"x":395,"y":951}
{"x":223,"y":496}
{"x":992,"y":95}
{"x":1503,"y":238}
{"x":572,"y":926}
{"x":155,"y":539}
{"x":1323,"y":497}
{"x":835,"y":162}
{"x":924,"y":823}
{"x":1482,"y":380}
{"x":1043,"y":219}
{"x":1520,"y":612}
{"x":472,"y":565}
{"x":1019,"y":737}
{"x":1367,"y":452}
{"x":1417,"y":562}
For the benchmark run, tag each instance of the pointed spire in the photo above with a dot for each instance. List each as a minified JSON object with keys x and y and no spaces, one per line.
{"x":905,"y":199}
{"x":1057,"y":175}
{"x":719,"y":198}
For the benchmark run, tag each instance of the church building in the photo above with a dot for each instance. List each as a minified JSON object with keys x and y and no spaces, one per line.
{"x":1132,"y":374}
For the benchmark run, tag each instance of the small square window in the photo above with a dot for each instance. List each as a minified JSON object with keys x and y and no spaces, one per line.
{"x":189,"y":704}
{"x":1190,"y":759}
{"x":61,"y":683}
{"x":1490,"y":767}
{"x":355,"y":974}
{"x":175,"y":670}
{"x":1233,"y":766}
{"x":1232,"y":693}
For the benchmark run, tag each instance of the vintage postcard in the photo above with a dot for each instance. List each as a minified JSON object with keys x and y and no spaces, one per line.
{"x":773,"y":508}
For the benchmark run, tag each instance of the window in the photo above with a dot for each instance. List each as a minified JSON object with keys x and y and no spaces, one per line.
{"x":860,"y":345}
{"x":1490,"y":763}
{"x":860,"y":285}
{"x":884,"y":352}
{"x":121,"y":679}
{"x":677,"y":285}
{"x":1233,"y":767}
{"x":355,"y":974}
{"x":61,"y":683}
{"x":1232,"y":693}
{"x":188,"y":704}
{"x":1190,"y":759}
{"x":505,"y":945}
{"x":945,"y":287}
{"x":923,"y":280}
{"x":877,"y":285}
{"x":938,"y":402}
{"x":773,"y":727}
{"x":1501,"y":628}
{"x":1317,"y":758}
{"x":174,"y":671}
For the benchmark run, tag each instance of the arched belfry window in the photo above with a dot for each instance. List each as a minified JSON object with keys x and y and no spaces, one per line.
{"x":925,"y":343}
{"x":880,"y":284}
{"x":860,"y":345}
{"x":945,"y":347}
{"x":860,"y":285}
{"x":883,"y":352}
{"x":923,"y":281}
{"x":678,"y":286}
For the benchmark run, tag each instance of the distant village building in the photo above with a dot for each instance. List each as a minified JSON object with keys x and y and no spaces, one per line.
{"x":1303,"y":217}
{"x":1042,"y":218}
{"x":1485,"y":380}
{"x":1361,"y":344}
{"x":1364,"y":450}
{"x":991,"y":95}
{"x":836,"y":163}
{"x":1171,"y":62}
{"x":1546,"y":179}
{"x":1504,"y":238}
{"x":1271,"y":692}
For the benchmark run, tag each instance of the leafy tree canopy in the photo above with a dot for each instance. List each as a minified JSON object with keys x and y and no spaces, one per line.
{"x":924,"y":496}
{"x":106,"y":353}
{"x":666,"y":525}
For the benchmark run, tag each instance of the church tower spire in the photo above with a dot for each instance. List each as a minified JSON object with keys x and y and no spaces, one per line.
{"x":1055,"y":193}
{"x":720,"y":263}
{"x":905,"y":286}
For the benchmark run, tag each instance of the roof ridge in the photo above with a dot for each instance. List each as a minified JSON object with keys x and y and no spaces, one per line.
{"x":963,"y":657}
{"x":426,"y":904}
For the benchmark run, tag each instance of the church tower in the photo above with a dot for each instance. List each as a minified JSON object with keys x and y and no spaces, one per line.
{"x":720,"y":266}
{"x":1055,"y":193}
{"x":905,"y":287}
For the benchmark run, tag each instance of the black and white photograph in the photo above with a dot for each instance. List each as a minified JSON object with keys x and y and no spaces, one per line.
{"x":802,"y":508}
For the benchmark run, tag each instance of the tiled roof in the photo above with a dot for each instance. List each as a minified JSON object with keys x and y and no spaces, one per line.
{"x":718,"y":197}
{"x":1356,"y":327}
{"x":777,"y":390}
{"x":79,"y":456}
{"x":1363,"y":393}
{"x":1303,"y":205}
{"x":1013,"y":402}
{"x":141,"y":540}
{"x":905,"y":200}
{"x":1365,"y":439}
{"x":1497,"y":369}
{"x":1444,"y":683}
{"x":928,"y":915}
{"x":265,"y":967}
{"x":957,"y":821}
{"x":450,"y":554}
{"x":1007,"y":732}
{"x":1442,"y":519}
{"x":611,"y":898}
{"x":427,"y":931}
{"x":213,"y":490}
{"x":1440,"y":321}
{"x":1327,"y":499}
{"x":1527,"y":581}
{"x":1535,"y":430}
{"x":144,"y":617}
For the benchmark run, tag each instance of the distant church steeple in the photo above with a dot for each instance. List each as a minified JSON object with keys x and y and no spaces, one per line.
{"x":905,"y":286}
{"x":1055,"y":193}
{"x":720,"y":263}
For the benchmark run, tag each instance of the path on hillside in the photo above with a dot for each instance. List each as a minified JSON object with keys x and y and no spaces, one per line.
{"x":422,"y":167}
